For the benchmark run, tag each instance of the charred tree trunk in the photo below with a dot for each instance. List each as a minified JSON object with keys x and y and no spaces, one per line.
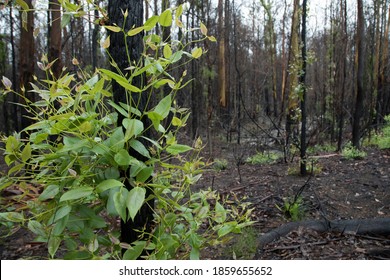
{"x":356,"y":129}
{"x":223,"y":100}
{"x":55,"y":38}
{"x":130,"y":229}
{"x":26,"y":62}
{"x":95,"y":35}
{"x":302,"y":81}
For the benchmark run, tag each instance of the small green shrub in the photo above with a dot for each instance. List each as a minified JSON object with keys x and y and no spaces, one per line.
{"x":245,"y":244}
{"x":321,"y":148}
{"x":350,"y":152}
{"x":220,"y":164}
{"x":312,"y":167}
{"x":263,"y":158}
{"x":83,"y":160}
{"x":383,"y":138}
{"x":293,"y":209}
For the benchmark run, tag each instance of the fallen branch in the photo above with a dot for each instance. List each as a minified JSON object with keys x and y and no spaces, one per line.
{"x":378,"y":226}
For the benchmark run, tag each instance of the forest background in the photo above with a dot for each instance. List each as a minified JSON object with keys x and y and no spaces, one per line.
{"x":250,"y":83}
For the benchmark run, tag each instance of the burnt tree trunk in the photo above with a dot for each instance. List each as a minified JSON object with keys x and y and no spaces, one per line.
{"x":302,"y":81}
{"x":356,"y":129}
{"x":55,"y":38}
{"x":130,"y":229}
{"x":26,"y":63}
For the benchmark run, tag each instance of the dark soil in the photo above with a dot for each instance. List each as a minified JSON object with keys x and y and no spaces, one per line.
{"x":340,"y":190}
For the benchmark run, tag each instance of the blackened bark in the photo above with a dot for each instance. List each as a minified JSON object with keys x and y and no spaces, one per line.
{"x":95,"y":34}
{"x":130,"y":230}
{"x":356,"y":129}
{"x":26,"y":63}
{"x":302,"y":81}
{"x":55,"y":38}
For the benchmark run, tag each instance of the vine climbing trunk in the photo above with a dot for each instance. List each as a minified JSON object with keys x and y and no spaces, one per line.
{"x":293,"y":74}
{"x":125,"y":53}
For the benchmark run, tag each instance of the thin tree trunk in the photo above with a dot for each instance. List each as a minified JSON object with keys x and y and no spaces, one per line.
{"x":344,"y":36}
{"x":221,"y":56}
{"x":356,"y":129}
{"x":55,"y":38}
{"x":26,"y":62}
{"x":292,"y":117}
{"x":12,"y":123}
{"x":95,"y":35}
{"x":302,"y":81}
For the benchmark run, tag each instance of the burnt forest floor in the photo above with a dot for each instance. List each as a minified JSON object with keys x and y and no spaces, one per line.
{"x":340,"y":190}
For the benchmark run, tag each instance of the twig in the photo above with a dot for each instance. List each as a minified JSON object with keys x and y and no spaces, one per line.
{"x":291,"y":247}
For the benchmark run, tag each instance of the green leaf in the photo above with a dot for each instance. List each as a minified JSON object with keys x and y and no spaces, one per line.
{"x":65,"y":20}
{"x":175,"y":57}
{"x":59,"y":214}
{"x":164,"y":106}
{"x":76,"y":193}
{"x":139,"y":147}
{"x":176,"y":122}
{"x":179,"y":11}
{"x":14,"y":170}
{"x":108,"y":184}
{"x":136,"y":168}
{"x":167,"y":51}
{"x":170,"y":219}
{"x":176,"y":149}
{"x":127,"y":85}
{"x":12,"y":144}
{"x":212,"y":39}
{"x":14,"y":217}
{"x":118,"y":78}
{"x":151,"y":23}
{"x":106,"y":43}
{"x":120,"y":202}
{"x":144,"y":174}
{"x":135,"y":200}
{"x":93,"y":245}
{"x":220,"y":213}
{"x":194,"y":254}
{"x":161,"y":82}
{"x":134,"y":252}
{"x":37,"y":228}
{"x":116,"y":141}
{"x":203,"y":29}
{"x":135,"y":31}
{"x":26,"y":153}
{"x":155,"y":118}
{"x":22,"y":4}
{"x":166,"y":18}
{"x":130,"y":109}
{"x":133,"y":127}
{"x":60,"y":226}
{"x":120,"y":109}
{"x":54,"y":243}
{"x":5,"y":183}
{"x":197,"y":52}
{"x":113,"y":28}
{"x":78,"y":255}
{"x":123,"y":158}
{"x":226,"y":229}
{"x":49,"y":192}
